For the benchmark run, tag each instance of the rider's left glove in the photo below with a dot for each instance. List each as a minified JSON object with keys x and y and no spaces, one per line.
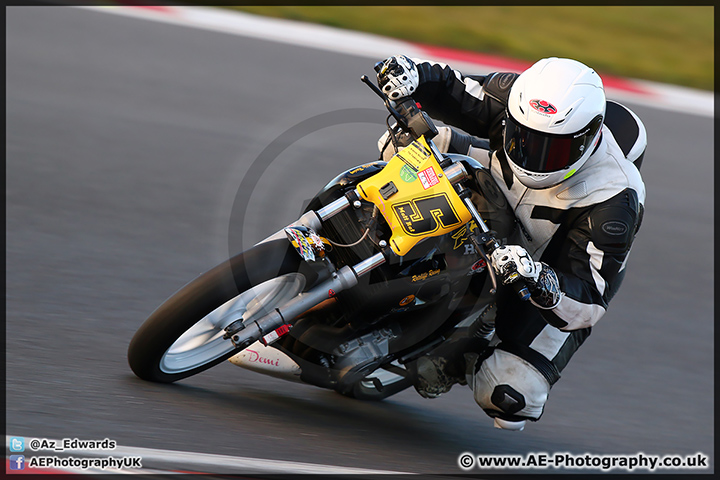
{"x":397,"y":77}
{"x":513,"y":262}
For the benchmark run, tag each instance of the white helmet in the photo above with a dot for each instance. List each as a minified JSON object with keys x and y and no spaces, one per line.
{"x":554,"y":118}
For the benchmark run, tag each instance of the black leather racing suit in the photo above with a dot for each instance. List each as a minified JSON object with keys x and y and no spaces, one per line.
{"x":583,"y":228}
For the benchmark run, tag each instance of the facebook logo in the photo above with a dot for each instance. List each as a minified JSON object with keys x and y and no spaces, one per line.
{"x":17,"y":462}
{"x":17,"y":444}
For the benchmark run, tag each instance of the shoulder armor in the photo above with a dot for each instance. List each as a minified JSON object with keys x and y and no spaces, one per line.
{"x":628,"y":131}
{"x":497,"y":89}
{"x":614,"y":222}
{"x":497,"y":85}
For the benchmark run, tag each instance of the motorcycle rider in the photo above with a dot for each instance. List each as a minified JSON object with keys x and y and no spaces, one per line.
{"x":578,"y":200}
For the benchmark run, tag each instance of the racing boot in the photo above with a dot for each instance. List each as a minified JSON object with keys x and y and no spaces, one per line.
{"x":436,"y":372}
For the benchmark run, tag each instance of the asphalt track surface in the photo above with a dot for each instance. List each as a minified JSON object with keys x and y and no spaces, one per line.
{"x":126,"y":143}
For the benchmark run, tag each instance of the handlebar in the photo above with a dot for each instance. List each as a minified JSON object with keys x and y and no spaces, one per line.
{"x":398,"y":117}
{"x":521,"y":289}
{"x":414,"y":121}
{"x":409,"y":117}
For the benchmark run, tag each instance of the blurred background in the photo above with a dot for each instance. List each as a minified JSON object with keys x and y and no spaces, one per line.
{"x":127,"y":141}
{"x":668,"y":44}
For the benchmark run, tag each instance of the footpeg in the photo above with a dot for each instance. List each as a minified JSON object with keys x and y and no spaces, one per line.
{"x":378,"y":384}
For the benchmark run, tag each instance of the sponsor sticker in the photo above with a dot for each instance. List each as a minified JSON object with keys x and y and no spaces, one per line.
{"x":255,"y":357}
{"x":357,"y":169}
{"x":425,"y":276}
{"x":318,"y":244}
{"x":407,"y":174}
{"x":461,"y":235}
{"x":428,"y":178}
{"x":275,"y":334}
{"x":414,"y":155}
{"x":407,"y":300}
{"x":478,"y":267}
{"x":301,"y":244}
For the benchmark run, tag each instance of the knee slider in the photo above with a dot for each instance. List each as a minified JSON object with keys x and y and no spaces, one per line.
{"x":509,"y":387}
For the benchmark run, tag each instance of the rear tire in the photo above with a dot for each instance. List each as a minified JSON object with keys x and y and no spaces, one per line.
{"x":183,"y":336}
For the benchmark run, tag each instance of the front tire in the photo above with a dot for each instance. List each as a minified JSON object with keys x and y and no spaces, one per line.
{"x":183,"y":336}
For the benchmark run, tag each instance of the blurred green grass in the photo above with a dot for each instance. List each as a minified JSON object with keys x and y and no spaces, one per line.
{"x":669,"y":44}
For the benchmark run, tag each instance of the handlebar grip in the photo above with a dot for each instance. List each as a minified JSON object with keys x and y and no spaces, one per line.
{"x":520,"y":286}
{"x":406,"y":105}
{"x":521,"y":289}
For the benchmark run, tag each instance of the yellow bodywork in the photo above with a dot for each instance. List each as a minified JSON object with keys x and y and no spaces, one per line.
{"x":424,"y":204}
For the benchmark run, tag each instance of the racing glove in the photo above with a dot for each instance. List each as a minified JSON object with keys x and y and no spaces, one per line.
{"x":397,"y":76}
{"x":513,"y":262}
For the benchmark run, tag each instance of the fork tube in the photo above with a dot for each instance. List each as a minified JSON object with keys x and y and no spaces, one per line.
{"x":368,"y":264}
{"x":485,"y":229}
{"x":333,"y":208}
{"x":476,"y":215}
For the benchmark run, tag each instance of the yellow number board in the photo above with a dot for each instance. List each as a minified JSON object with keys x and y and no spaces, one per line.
{"x":415,"y":197}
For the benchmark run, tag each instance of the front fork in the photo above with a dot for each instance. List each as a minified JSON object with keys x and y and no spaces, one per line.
{"x":243,"y":335}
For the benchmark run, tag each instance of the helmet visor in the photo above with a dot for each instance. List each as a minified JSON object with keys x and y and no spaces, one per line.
{"x":541,"y":152}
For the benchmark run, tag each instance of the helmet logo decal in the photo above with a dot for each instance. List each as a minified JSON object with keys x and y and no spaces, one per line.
{"x":543,"y":107}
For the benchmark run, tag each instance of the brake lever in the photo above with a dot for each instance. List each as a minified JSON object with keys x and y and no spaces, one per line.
{"x":489,"y":241}
{"x":398,"y":117}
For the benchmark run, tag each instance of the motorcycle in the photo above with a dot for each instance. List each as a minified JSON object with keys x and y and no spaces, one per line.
{"x":389,"y":261}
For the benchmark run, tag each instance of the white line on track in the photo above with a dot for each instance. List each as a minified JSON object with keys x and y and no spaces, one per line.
{"x":208,"y":462}
{"x":649,"y":94}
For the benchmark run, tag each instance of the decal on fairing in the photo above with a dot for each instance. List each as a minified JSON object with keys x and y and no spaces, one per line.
{"x":407,"y":300}
{"x":268,"y":360}
{"x":300,"y":243}
{"x":415,"y":154}
{"x":425,"y":276}
{"x":407,"y":174}
{"x":358,"y":169}
{"x":428,"y":208}
{"x":426,"y":215}
{"x":428,"y":178}
{"x":307,"y":243}
{"x":462,"y":235}
{"x":478,"y":267}
{"x":318,"y":242}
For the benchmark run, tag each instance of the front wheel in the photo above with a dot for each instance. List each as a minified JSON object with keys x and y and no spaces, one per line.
{"x":183,"y":336}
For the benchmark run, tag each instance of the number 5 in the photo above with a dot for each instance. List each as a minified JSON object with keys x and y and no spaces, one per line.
{"x":423,"y":216}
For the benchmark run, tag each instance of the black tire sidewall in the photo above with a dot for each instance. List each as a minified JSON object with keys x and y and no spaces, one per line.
{"x":200,"y":297}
